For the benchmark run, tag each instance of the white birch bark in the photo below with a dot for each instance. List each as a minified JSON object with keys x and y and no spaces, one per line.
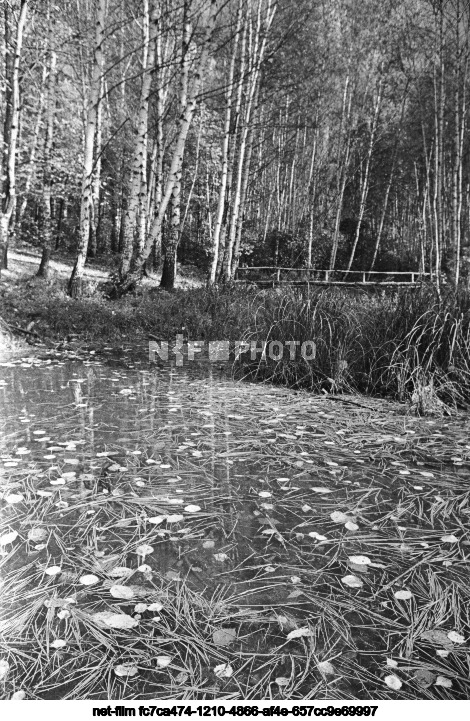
{"x":75,"y":282}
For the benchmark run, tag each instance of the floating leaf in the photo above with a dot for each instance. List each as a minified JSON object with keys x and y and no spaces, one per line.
{"x":392,"y":663}
{"x":13,"y":498}
{"x":455,"y":637}
{"x":449,"y":539}
{"x":403,"y":595}
{"x":443,"y":681}
{"x":443,"y":653}
{"x":326,"y":667}
{"x":126,"y":670}
{"x":88,"y":579}
{"x":156,"y":520}
{"x":321,"y":489}
{"x":339,"y":517}
{"x":220,"y":557}
{"x":223,"y":670}
{"x":392,"y":681}
{"x":360,"y":560}
{"x":192,"y":509}
{"x":424,"y":678}
{"x":299,"y":633}
{"x":18,"y":695}
{"x":352,"y":581}
{"x":318,"y":536}
{"x":163,"y":661}
{"x":156,"y":606}
{"x":351,"y":526}
{"x":144,"y":550}
{"x":224,"y":636}
{"x":53,"y":570}
{"x":265,"y":494}
{"x":4,"y":668}
{"x":282,"y":681}
{"x":8,"y":538}
{"x":114,"y":620}
{"x":437,"y":637}
{"x":36,"y":534}
{"x":58,"y":643}
{"x":120,"y":572}
{"x":174,"y":518}
{"x":118,"y":591}
{"x":208,"y":544}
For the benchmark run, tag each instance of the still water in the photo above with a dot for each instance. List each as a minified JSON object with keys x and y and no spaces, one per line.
{"x":238,"y":509}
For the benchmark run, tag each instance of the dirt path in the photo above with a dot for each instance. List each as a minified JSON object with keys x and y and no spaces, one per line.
{"x":26,"y":262}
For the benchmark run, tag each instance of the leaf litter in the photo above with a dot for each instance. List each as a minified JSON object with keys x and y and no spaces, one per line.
{"x":153,"y":541}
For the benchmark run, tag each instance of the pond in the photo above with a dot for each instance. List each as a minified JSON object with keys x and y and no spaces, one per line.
{"x":167,"y":532}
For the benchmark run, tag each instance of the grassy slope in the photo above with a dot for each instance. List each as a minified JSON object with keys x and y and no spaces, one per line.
{"x":403,"y":344}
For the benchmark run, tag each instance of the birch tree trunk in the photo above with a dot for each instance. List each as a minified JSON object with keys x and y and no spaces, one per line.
{"x":136,"y":213}
{"x":170,"y":244}
{"x":184,"y":124}
{"x":257,"y":54}
{"x":225,"y":150}
{"x":10,"y":131}
{"x":365,"y":182}
{"x":43,"y":271}
{"x":75,"y":282}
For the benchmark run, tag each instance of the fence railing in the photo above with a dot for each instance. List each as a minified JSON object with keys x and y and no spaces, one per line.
{"x":265,"y":274}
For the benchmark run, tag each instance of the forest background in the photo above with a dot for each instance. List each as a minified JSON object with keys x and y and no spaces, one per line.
{"x":224,"y":132}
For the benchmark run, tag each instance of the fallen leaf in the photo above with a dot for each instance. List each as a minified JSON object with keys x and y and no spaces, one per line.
{"x":224,"y":636}
{"x":424,"y":678}
{"x":114,"y":620}
{"x":144,"y":550}
{"x":326,"y":667}
{"x":120,"y":572}
{"x":18,"y":695}
{"x":455,"y":637}
{"x":126,"y":669}
{"x":403,"y":595}
{"x":4,"y":668}
{"x":443,"y":681}
{"x":351,"y":526}
{"x":53,"y":570}
{"x":223,"y":670}
{"x":449,"y":539}
{"x":220,"y":556}
{"x":13,"y":498}
{"x":391,"y":662}
{"x":282,"y":681}
{"x":174,"y":518}
{"x":163,"y":661}
{"x":118,"y":591}
{"x":318,"y":536}
{"x":352,"y":581}
{"x":393,"y":682}
{"x":58,"y":643}
{"x":89,"y":579}
{"x":339,"y":517}
{"x":299,"y":633}
{"x":35,"y":535}
{"x":360,"y":560}
{"x":8,"y":538}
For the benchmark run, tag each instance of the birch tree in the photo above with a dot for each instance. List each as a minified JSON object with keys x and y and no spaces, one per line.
{"x":13,"y":48}
{"x":75,"y":282}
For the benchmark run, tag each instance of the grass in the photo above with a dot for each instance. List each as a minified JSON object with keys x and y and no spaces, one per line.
{"x":409,"y":345}
{"x":291,"y":462}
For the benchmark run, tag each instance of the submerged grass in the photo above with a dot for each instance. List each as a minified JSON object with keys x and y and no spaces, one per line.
{"x":250,"y":588}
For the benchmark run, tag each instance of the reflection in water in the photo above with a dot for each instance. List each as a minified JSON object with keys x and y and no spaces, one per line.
{"x":253,"y":498}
